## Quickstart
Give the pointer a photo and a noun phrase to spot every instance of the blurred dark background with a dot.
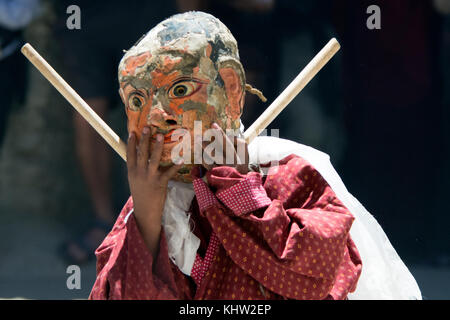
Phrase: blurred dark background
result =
(380, 109)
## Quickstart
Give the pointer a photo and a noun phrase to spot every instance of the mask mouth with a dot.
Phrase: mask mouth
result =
(170, 135)
(167, 137)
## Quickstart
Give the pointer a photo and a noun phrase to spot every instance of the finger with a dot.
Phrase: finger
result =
(131, 151)
(213, 149)
(210, 155)
(155, 157)
(171, 172)
(243, 156)
(226, 148)
(143, 149)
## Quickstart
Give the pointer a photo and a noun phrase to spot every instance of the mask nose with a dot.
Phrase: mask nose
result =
(160, 118)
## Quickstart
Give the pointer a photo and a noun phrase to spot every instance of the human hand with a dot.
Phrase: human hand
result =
(148, 184)
(239, 158)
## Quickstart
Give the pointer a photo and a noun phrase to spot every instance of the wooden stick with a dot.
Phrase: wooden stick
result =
(75, 100)
(292, 90)
(119, 146)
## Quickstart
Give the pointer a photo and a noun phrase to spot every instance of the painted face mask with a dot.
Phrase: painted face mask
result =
(186, 69)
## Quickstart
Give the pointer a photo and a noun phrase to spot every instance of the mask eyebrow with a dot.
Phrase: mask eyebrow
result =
(136, 90)
(191, 78)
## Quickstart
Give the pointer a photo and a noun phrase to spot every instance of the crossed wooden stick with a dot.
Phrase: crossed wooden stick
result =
(294, 88)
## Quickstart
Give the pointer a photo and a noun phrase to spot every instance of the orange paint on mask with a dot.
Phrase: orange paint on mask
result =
(169, 64)
(208, 50)
(234, 93)
(160, 80)
(137, 120)
(132, 63)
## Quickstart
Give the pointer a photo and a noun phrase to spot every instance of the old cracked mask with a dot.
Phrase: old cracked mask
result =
(185, 69)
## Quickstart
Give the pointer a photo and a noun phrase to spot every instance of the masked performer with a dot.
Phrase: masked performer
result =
(232, 233)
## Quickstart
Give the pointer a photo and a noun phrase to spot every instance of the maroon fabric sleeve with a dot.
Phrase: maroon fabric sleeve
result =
(125, 267)
(293, 226)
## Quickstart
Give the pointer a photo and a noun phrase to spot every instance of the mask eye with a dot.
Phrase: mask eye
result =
(183, 89)
(135, 102)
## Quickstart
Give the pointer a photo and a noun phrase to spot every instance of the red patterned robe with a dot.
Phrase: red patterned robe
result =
(284, 236)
